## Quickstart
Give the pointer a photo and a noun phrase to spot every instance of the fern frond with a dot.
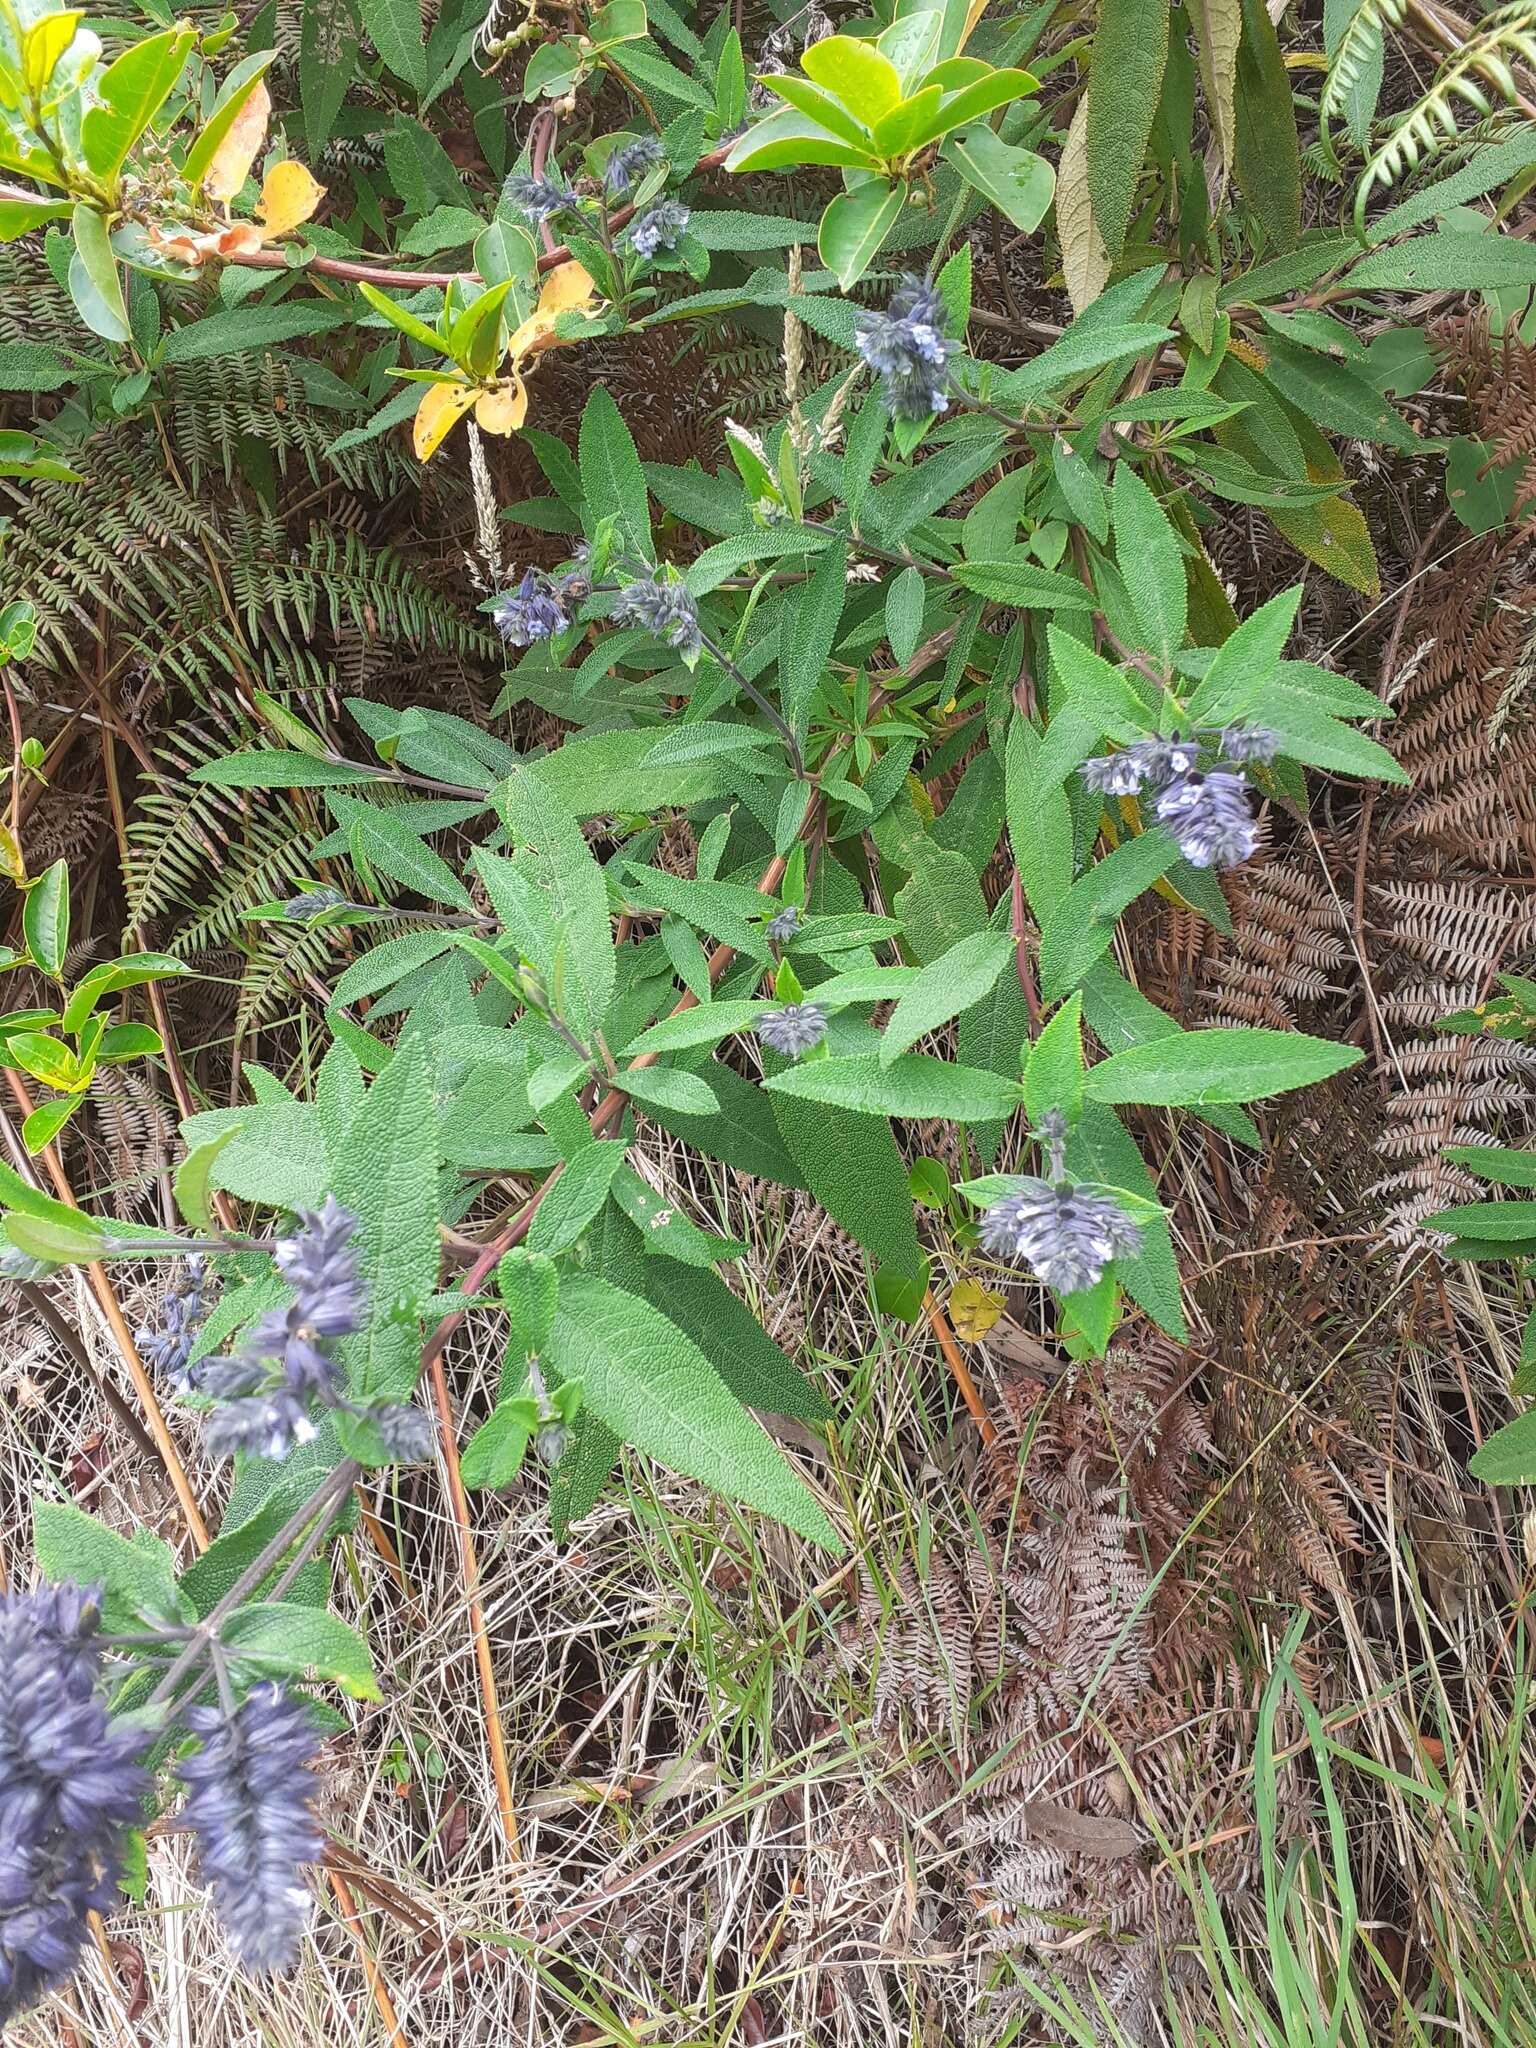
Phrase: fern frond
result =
(1361, 41)
(1431, 124)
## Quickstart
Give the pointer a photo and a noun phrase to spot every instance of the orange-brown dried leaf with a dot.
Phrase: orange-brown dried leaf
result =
(232, 160)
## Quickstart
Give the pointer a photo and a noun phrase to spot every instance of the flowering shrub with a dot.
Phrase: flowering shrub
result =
(930, 569)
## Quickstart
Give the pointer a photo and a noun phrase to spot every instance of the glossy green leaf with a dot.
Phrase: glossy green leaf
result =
(856, 73)
(854, 228)
(132, 90)
(45, 918)
(233, 93)
(94, 282)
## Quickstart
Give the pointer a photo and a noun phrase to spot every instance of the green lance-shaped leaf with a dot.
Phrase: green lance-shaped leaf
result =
(1130, 49)
(651, 1385)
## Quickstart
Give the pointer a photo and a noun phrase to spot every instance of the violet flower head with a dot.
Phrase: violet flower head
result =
(1247, 743)
(1051, 1137)
(71, 1785)
(265, 1389)
(538, 198)
(792, 1029)
(660, 227)
(575, 581)
(531, 612)
(906, 347)
(784, 924)
(263, 1393)
(407, 1432)
(168, 1343)
(665, 609)
(1065, 1235)
(1209, 817)
(313, 903)
(1163, 761)
(1114, 774)
(248, 1805)
(629, 162)
(260, 1425)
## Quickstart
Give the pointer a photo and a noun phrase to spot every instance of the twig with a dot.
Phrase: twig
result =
(101, 1287)
(376, 1985)
(959, 1370)
(309, 1522)
(38, 1301)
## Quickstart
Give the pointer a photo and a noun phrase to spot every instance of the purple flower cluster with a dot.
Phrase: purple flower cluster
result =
(784, 924)
(312, 904)
(168, 1344)
(249, 1808)
(1065, 1235)
(71, 1786)
(1206, 809)
(264, 1392)
(629, 162)
(538, 198)
(906, 347)
(660, 227)
(665, 609)
(530, 613)
(792, 1029)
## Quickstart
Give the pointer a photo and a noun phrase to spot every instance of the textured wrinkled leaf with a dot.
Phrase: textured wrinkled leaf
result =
(394, 28)
(386, 1174)
(612, 480)
(809, 634)
(1130, 49)
(915, 1085)
(648, 1382)
(138, 1578)
(953, 982)
(1508, 1458)
(279, 1640)
(1085, 261)
(329, 33)
(1152, 563)
(699, 1302)
(1219, 1065)
(576, 896)
(494, 1454)
(1267, 157)
(1218, 26)
(575, 1197)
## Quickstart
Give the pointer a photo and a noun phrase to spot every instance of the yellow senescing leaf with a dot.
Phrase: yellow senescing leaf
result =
(973, 1309)
(441, 405)
(501, 403)
(1085, 261)
(503, 406)
(289, 196)
(567, 289)
(234, 156)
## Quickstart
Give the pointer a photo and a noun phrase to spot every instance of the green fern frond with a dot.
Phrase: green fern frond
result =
(1360, 43)
(1432, 123)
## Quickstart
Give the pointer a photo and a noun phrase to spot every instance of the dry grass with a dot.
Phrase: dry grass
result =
(762, 1797)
